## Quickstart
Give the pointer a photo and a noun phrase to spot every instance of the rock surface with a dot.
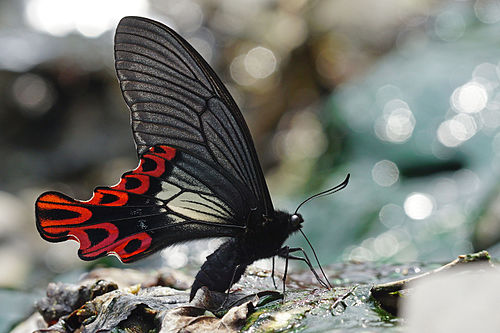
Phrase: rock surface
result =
(127, 300)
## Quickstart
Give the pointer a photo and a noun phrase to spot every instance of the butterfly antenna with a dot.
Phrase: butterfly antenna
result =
(318, 195)
(326, 192)
(316, 257)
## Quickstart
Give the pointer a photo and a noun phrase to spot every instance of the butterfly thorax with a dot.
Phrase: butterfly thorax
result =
(267, 237)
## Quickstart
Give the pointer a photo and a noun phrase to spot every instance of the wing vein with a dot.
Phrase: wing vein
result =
(173, 52)
(208, 198)
(180, 128)
(236, 167)
(158, 61)
(177, 118)
(182, 87)
(159, 94)
(169, 137)
(204, 205)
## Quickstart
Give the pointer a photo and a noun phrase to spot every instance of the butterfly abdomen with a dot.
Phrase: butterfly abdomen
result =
(222, 268)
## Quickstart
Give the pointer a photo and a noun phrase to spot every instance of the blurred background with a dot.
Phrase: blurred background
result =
(404, 95)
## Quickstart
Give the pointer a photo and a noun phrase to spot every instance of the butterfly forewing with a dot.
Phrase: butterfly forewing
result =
(177, 99)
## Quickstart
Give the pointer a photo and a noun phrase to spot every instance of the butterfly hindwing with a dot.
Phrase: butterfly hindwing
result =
(176, 98)
(160, 203)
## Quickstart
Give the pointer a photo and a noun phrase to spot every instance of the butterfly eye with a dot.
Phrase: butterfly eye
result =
(296, 220)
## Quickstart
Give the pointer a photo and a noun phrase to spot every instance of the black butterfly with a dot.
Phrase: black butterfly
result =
(198, 176)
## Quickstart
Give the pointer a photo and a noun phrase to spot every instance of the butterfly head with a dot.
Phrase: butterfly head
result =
(296, 222)
(284, 223)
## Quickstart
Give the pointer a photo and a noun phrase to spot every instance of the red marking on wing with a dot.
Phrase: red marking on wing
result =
(109, 244)
(53, 226)
(86, 247)
(119, 247)
(141, 189)
(60, 217)
(51, 203)
(97, 198)
(169, 153)
(158, 171)
(54, 198)
(158, 155)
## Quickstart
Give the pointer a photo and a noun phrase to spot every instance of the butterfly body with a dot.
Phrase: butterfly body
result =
(225, 266)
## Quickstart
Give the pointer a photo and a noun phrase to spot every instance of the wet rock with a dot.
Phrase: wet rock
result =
(389, 295)
(128, 277)
(138, 305)
(194, 319)
(61, 299)
(153, 308)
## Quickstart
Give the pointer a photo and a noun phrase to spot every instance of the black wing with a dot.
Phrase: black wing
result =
(177, 100)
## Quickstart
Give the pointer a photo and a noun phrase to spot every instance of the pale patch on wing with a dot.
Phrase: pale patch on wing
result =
(200, 207)
(168, 191)
(175, 219)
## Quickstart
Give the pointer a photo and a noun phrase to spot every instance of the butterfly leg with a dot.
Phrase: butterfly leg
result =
(286, 251)
(230, 285)
(272, 275)
(311, 268)
(308, 261)
(286, 254)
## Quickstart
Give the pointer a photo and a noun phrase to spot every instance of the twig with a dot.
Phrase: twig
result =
(341, 299)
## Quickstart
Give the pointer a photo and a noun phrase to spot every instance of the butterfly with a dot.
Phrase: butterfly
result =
(198, 175)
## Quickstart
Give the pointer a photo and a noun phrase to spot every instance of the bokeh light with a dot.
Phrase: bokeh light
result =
(386, 245)
(175, 256)
(287, 32)
(396, 123)
(239, 73)
(385, 173)
(487, 11)
(472, 97)
(468, 181)
(305, 139)
(91, 18)
(391, 215)
(418, 206)
(449, 26)
(260, 62)
(188, 13)
(457, 130)
(33, 94)
(446, 189)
